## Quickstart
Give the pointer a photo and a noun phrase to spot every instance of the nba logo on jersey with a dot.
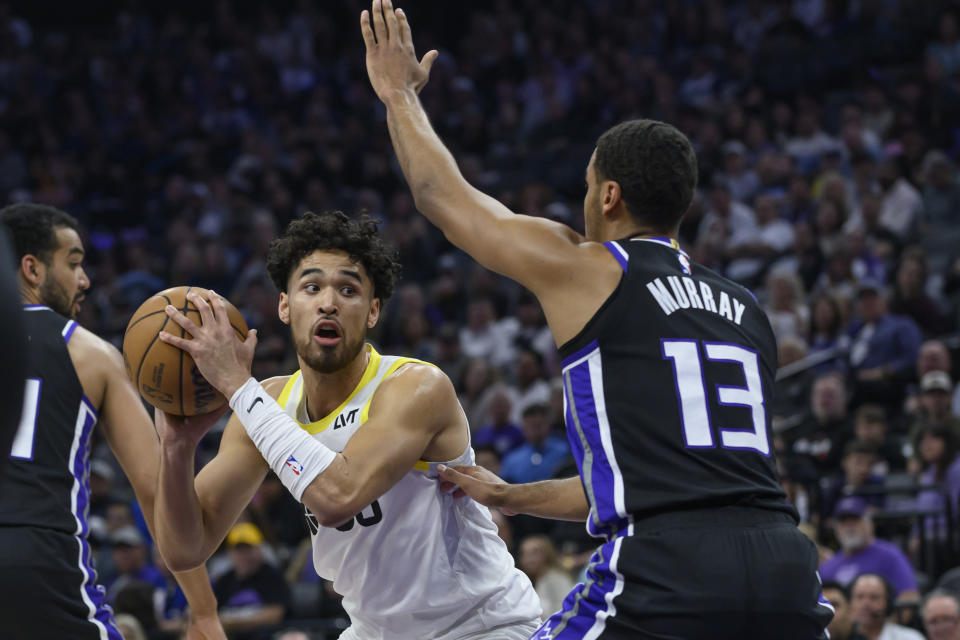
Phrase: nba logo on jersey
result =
(685, 264)
(294, 465)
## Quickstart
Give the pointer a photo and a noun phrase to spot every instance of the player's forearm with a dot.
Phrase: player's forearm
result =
(198, 591)
(179, 515)
(554, 499)
(439, 189)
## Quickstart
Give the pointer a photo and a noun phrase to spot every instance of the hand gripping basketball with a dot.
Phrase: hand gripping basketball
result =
(223, 359)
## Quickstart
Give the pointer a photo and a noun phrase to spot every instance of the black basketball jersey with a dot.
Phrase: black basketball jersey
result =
(46, 479)
(666, 393)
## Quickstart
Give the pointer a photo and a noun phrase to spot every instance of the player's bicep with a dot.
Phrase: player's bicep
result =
(128, 428)
(405, 417)
(227, 483)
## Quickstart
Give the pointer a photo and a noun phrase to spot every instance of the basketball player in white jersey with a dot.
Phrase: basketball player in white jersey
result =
(356, 437)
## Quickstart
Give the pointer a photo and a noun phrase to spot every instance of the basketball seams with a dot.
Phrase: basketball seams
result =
(184, 311)
(146, 335)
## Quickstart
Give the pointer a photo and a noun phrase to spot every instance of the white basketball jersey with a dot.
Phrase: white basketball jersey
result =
(415, 563)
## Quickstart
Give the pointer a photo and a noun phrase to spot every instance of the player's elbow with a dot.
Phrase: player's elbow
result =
(180, 559)
(331, 506)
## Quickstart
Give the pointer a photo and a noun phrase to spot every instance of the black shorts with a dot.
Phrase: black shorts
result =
(49, 587)
(728, 573)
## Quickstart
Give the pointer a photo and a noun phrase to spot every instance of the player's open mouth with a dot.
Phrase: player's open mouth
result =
(327, 333)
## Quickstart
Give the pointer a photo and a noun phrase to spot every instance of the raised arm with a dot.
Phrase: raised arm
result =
(550, 259)
(132, 439)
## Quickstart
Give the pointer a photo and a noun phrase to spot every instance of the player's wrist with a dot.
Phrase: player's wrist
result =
(398, 96)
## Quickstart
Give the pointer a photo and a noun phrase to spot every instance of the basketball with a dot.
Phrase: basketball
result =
(166, 376)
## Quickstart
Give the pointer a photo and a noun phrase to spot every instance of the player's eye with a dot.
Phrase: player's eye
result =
(311, 288)
(348, 290)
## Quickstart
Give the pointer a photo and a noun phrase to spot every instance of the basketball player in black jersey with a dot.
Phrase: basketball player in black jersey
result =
(13, 345)
(668, 370)
(74, 381)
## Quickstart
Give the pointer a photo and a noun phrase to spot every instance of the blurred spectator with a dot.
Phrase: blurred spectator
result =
(484, 336)
(736, 175)
(946, 48)
(934, 402)
(726, 218)
(842, 626)
(529, 386)
(542, 453)
(129, 627)
(754, 249)
(789, 316)
(538, 559)
(131, 562)
(936, 447)
(861, 552)
(138, 599)
(826, 328)
(500, 432)
(871, 602)
(820, 437)
(252, 594)
(934, 356)
(883, 347)
(910, 297)
(870, 426)
(940, 611)
(902, 205)
(941, 191)
(855, 478)
(475, 381)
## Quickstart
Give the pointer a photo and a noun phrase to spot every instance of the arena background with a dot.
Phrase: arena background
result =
(184, 135)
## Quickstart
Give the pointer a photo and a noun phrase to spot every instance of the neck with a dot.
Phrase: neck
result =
(29, 295)
(324, 392)
(620, 231)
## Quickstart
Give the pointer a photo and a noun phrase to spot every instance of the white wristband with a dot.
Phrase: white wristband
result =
(295, 456)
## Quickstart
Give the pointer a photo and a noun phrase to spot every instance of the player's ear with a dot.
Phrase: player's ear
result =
(283, 308)
(610, 196)
(374, 313)
(32, 270)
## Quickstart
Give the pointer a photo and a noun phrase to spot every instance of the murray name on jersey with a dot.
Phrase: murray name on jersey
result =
(687, 293)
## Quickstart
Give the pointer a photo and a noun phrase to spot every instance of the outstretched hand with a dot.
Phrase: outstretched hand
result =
(479, 483)
(223, 359)
(391, 60)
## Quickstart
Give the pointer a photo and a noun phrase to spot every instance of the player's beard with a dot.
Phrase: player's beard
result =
(328, 359)
(53, 295)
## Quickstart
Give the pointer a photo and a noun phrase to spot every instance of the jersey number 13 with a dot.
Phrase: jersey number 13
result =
(692, 393)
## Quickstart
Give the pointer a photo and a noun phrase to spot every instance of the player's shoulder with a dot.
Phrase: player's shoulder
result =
(416, 380)
(274, 386)
(90, 349)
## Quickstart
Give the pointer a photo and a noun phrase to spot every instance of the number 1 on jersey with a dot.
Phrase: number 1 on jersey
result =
(22, 448)
(692, 393)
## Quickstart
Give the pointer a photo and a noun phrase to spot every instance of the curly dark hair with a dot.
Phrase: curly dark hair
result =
(33, 229)
(655, 166)
(333, 230)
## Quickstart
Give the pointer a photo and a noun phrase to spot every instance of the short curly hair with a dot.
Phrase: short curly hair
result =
(655, 166)
(334, 230)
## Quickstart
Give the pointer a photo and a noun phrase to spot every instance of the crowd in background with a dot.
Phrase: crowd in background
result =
(184, 138)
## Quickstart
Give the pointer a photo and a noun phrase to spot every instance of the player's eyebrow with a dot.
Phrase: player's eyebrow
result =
(351, 274)
(76, 251)
(344, 272)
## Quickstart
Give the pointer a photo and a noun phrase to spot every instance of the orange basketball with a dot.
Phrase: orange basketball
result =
(166, 376)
